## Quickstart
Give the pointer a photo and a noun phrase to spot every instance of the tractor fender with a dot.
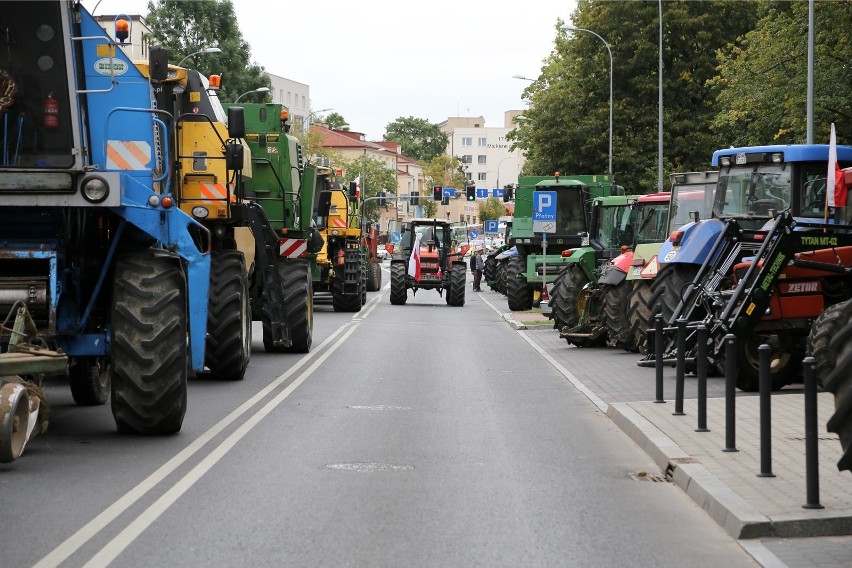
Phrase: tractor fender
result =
(623, 261)
(695, 244)
(612, 275)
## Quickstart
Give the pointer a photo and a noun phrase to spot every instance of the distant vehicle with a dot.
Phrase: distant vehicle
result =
(382, 252)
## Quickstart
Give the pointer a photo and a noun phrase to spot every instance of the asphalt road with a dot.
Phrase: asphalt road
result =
(416, 435)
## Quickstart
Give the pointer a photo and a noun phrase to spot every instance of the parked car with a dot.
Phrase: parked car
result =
(382, 252)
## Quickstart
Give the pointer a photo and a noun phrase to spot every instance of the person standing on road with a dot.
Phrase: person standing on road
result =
(477, 273)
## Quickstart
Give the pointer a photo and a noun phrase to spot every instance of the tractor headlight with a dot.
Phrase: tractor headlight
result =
(200, 212)
(95, 189)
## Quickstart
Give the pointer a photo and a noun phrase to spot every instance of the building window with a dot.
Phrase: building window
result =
(281, 96)
(483, 142)
(482, 176)
(467, 159)
(468, 175)
(474, 219)
(304, 105)
(461, 218)
(467, 141)
(480, 160)
(289, 98)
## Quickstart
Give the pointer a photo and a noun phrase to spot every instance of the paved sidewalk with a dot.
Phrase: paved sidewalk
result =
(725, 484)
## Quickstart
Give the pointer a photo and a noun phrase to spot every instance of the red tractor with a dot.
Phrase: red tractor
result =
(426, 258)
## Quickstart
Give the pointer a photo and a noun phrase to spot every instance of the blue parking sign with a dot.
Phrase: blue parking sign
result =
(544, 211)
(491, 226)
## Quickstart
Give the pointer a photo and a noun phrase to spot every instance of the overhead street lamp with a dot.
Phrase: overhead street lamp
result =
(522, 78)
(498, 168)
(313, 112)
(204, 51)
(258, 90)
(576, 29)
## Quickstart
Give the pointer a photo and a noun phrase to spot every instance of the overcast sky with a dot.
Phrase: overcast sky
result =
(373, 61)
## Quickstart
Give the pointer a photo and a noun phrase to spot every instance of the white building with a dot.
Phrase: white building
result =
(295, 96)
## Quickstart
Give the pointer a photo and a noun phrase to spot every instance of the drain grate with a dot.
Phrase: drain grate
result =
(645, 476)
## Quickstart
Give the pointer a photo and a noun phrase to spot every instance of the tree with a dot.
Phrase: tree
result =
(417, 138)
(566, 127)
(186, 26)
(761, 83)
(445, 171)
(375, 177)
(335, 121)
(491, 208)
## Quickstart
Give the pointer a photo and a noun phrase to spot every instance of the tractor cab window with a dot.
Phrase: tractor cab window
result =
(570, 211)
(811, 189)
(616, 227)
(35, 107)
(688, 199)
(753, 192)
(430, 234)
(651, 221)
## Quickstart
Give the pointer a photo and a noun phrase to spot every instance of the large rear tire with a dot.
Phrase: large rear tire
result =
(456, 293)
(748, 364)
(615, 317)
(668, 287)
(501, 276)
(564, 299)
(398, 290)
(298, 304)
(340, 301)
(489, 273)
(89, 378)
(839, 383)
(149, 347)
(641, 310)
(374, 277)
(518, 291)
(228, 347)
(820, 347)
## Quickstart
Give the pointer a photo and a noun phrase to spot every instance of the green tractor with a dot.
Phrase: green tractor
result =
(284, 186)
(525, 271)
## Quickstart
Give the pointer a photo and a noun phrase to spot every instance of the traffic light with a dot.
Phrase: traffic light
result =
(508, 191)
(382, 201)
(415, 198)
(438, 193)
(471, 193)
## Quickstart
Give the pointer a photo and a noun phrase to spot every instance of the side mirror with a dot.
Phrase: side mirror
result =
(158, 63)
(234, 156)
(324, 205)
(236, 122)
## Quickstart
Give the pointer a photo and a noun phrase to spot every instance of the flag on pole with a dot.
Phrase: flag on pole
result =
(357, 182)
(414, 259)
(835, 184)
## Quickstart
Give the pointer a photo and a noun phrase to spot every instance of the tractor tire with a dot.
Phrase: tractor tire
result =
(228, 347)
(820, 347)
(298, 304)
(489, 273)
(748, 365)
(566, 295)
(398, 290)
(667, 288)
(89, 378)
(839, 383)
(641, 310)
(615, 317)
(363, 283)
(501, 276)
(149, 355)
(456, 292)
(374, 277)
(518, 292)
(342, 302)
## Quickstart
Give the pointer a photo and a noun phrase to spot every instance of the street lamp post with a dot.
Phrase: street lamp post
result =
(498, 168)
(576, 29)
(523, 78)
(204, 51)
(258, 90)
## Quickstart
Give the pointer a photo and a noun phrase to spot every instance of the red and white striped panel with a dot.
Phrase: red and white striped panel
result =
(292, 248)
(338, 222)
(128, 155)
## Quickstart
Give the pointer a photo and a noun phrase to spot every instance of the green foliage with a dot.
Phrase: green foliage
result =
(491, 208)
(417, 138)
(430, 207)
(335, 120)
(566, 127)
(762, 83)
(186, 26)
(375, 177)
(445, 171)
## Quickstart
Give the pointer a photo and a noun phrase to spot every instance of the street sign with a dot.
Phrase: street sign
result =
(473, 234)
(449, 192)
(481, 193)
(497, 192)
(491, 226)
(544, 211)
(396, 237)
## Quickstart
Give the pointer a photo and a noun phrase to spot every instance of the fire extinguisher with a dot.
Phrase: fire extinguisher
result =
(51, 113)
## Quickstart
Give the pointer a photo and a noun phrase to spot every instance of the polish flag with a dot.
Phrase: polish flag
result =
(357, 181)
(414, 259)
(835, 185)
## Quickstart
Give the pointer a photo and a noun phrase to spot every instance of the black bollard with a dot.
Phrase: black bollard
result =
(730, 393)
(658, 355)
(811, 451)
(765, 352)
(701, 372)
(680, 366)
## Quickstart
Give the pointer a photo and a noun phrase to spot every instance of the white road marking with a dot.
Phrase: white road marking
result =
(108, 515)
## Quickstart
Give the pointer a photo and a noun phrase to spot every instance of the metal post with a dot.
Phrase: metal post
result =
(543, 262)
(765, 352)
(811, 451)
(680, 366)
(730, 393)
(701, 371)
(658, 355)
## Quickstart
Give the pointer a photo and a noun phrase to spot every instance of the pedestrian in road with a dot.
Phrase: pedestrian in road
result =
(477, 273)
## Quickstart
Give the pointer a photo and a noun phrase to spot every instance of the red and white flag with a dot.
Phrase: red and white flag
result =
(835, 185)
(414, 259)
